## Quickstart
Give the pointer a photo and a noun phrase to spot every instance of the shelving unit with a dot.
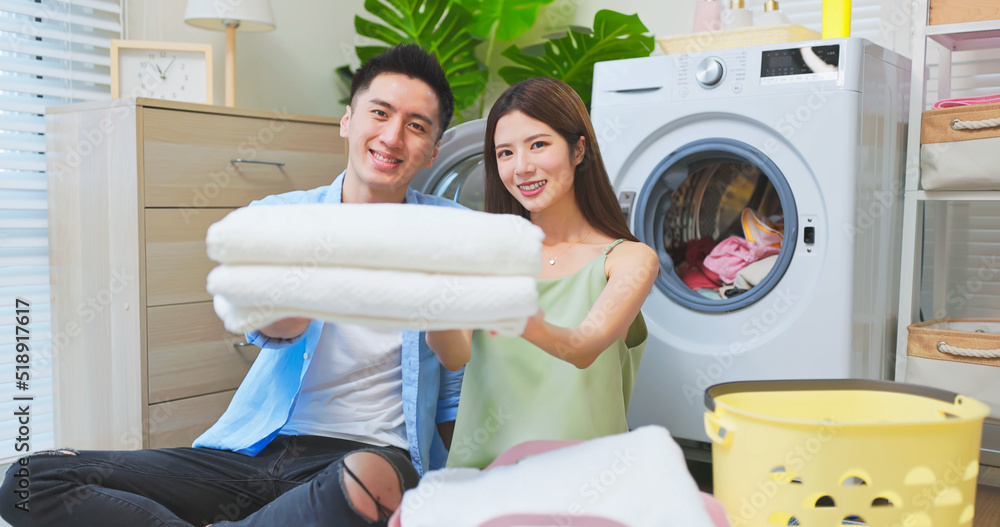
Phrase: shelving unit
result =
(951, 38)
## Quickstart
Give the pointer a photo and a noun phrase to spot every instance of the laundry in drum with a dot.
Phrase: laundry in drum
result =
(725, 217)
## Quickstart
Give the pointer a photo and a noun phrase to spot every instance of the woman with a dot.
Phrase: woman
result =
(570, 374)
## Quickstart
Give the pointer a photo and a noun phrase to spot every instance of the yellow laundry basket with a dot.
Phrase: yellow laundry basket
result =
(824, 453)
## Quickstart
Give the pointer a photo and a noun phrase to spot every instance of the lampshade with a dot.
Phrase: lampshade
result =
(252, 15)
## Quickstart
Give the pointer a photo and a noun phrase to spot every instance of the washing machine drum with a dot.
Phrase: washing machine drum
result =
(722, 218)
(464, 182)
(458, 173)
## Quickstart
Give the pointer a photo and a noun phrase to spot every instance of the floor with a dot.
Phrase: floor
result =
(987, 494)
(988, 498)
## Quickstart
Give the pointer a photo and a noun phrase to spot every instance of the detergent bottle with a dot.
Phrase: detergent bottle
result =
(772, 16)
(707, 15)
(737, 16)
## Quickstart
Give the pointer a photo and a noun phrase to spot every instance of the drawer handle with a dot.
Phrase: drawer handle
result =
(240, 160)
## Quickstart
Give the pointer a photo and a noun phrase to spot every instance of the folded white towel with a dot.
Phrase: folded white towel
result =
(638, 478)
(252, 296)
(379, 236)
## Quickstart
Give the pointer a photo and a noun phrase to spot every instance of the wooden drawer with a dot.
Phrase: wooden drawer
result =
(190, 353)
(176, 261)
(178, 423)
(186, 157)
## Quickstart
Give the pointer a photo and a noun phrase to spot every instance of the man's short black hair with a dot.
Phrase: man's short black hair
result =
(414, 62)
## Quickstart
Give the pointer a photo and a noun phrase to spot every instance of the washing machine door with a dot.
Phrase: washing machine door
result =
(457, 173)
(722, 218)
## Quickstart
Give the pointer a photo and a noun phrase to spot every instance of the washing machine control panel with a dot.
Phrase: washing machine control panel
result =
(742, 72)
(806, 63)
(720, 71)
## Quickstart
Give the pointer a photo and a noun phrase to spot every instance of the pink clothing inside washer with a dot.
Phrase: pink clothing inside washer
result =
(735, 253)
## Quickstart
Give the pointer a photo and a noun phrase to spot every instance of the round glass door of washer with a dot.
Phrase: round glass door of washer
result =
(722, 218)
(464, 182)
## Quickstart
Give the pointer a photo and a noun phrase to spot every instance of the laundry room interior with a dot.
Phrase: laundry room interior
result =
(818, 179)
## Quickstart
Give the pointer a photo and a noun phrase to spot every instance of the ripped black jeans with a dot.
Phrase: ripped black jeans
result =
(295, 480)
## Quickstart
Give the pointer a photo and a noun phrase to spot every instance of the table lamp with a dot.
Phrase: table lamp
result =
(246, 15)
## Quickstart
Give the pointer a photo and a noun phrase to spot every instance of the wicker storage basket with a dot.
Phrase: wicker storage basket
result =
(954, 354)
(958, 148)
(735, 38)
(958, 11)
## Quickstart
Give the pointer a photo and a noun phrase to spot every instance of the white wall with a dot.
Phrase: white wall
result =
(292, 68)
(663, 17)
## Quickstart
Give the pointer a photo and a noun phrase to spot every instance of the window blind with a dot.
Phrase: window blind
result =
(52, 52)
(961, 260)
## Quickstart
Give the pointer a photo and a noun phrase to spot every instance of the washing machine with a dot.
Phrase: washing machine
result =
(798, 147)
(457, 173)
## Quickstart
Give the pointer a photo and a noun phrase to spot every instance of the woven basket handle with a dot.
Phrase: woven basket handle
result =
(959, 124)
(944, 347)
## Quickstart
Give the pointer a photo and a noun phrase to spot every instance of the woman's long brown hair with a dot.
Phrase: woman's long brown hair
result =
(557, 105)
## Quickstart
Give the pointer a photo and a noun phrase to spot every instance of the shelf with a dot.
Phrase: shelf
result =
(966, 36)
(914, 286)
(955, 195)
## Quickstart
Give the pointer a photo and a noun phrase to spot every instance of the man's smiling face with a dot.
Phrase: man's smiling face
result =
(392, 132)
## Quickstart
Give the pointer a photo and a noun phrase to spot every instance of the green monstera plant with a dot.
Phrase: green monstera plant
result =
(453, 30)
(518, 16)
(571, 58)
(440, 28)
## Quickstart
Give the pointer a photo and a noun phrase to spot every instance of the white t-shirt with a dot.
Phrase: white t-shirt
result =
(353, 388)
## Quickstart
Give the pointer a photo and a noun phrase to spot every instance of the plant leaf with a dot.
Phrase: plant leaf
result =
(511, 17)
(571, 58)
(439, 26)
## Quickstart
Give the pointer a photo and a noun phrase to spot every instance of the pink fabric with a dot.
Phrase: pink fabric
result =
(735, 253)
(696, 279)
(697, 250)
(967, 101)
(695, 255)
(715, 509)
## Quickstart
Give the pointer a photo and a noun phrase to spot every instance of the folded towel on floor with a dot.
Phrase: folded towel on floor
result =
(252, 296)
(638, 478)
(379, 236)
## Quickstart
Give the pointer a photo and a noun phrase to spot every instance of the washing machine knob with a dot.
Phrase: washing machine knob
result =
(710, 72)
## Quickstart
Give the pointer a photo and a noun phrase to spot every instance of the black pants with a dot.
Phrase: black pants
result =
(295, 480)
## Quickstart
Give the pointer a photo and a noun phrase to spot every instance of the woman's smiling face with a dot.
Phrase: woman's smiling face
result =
(534, 161)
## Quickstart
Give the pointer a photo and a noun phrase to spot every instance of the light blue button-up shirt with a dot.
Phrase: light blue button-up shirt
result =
(265, 399)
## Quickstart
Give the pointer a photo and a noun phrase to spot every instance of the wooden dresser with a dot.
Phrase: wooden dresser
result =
(141, 360)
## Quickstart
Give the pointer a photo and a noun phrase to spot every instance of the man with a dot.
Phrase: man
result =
(333, 422)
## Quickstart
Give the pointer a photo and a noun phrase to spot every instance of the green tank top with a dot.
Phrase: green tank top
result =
(514, 391)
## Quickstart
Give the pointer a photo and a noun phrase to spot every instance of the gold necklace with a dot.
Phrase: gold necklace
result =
(552, 261)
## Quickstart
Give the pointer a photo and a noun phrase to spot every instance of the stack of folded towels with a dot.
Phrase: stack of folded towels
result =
(385, 265)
